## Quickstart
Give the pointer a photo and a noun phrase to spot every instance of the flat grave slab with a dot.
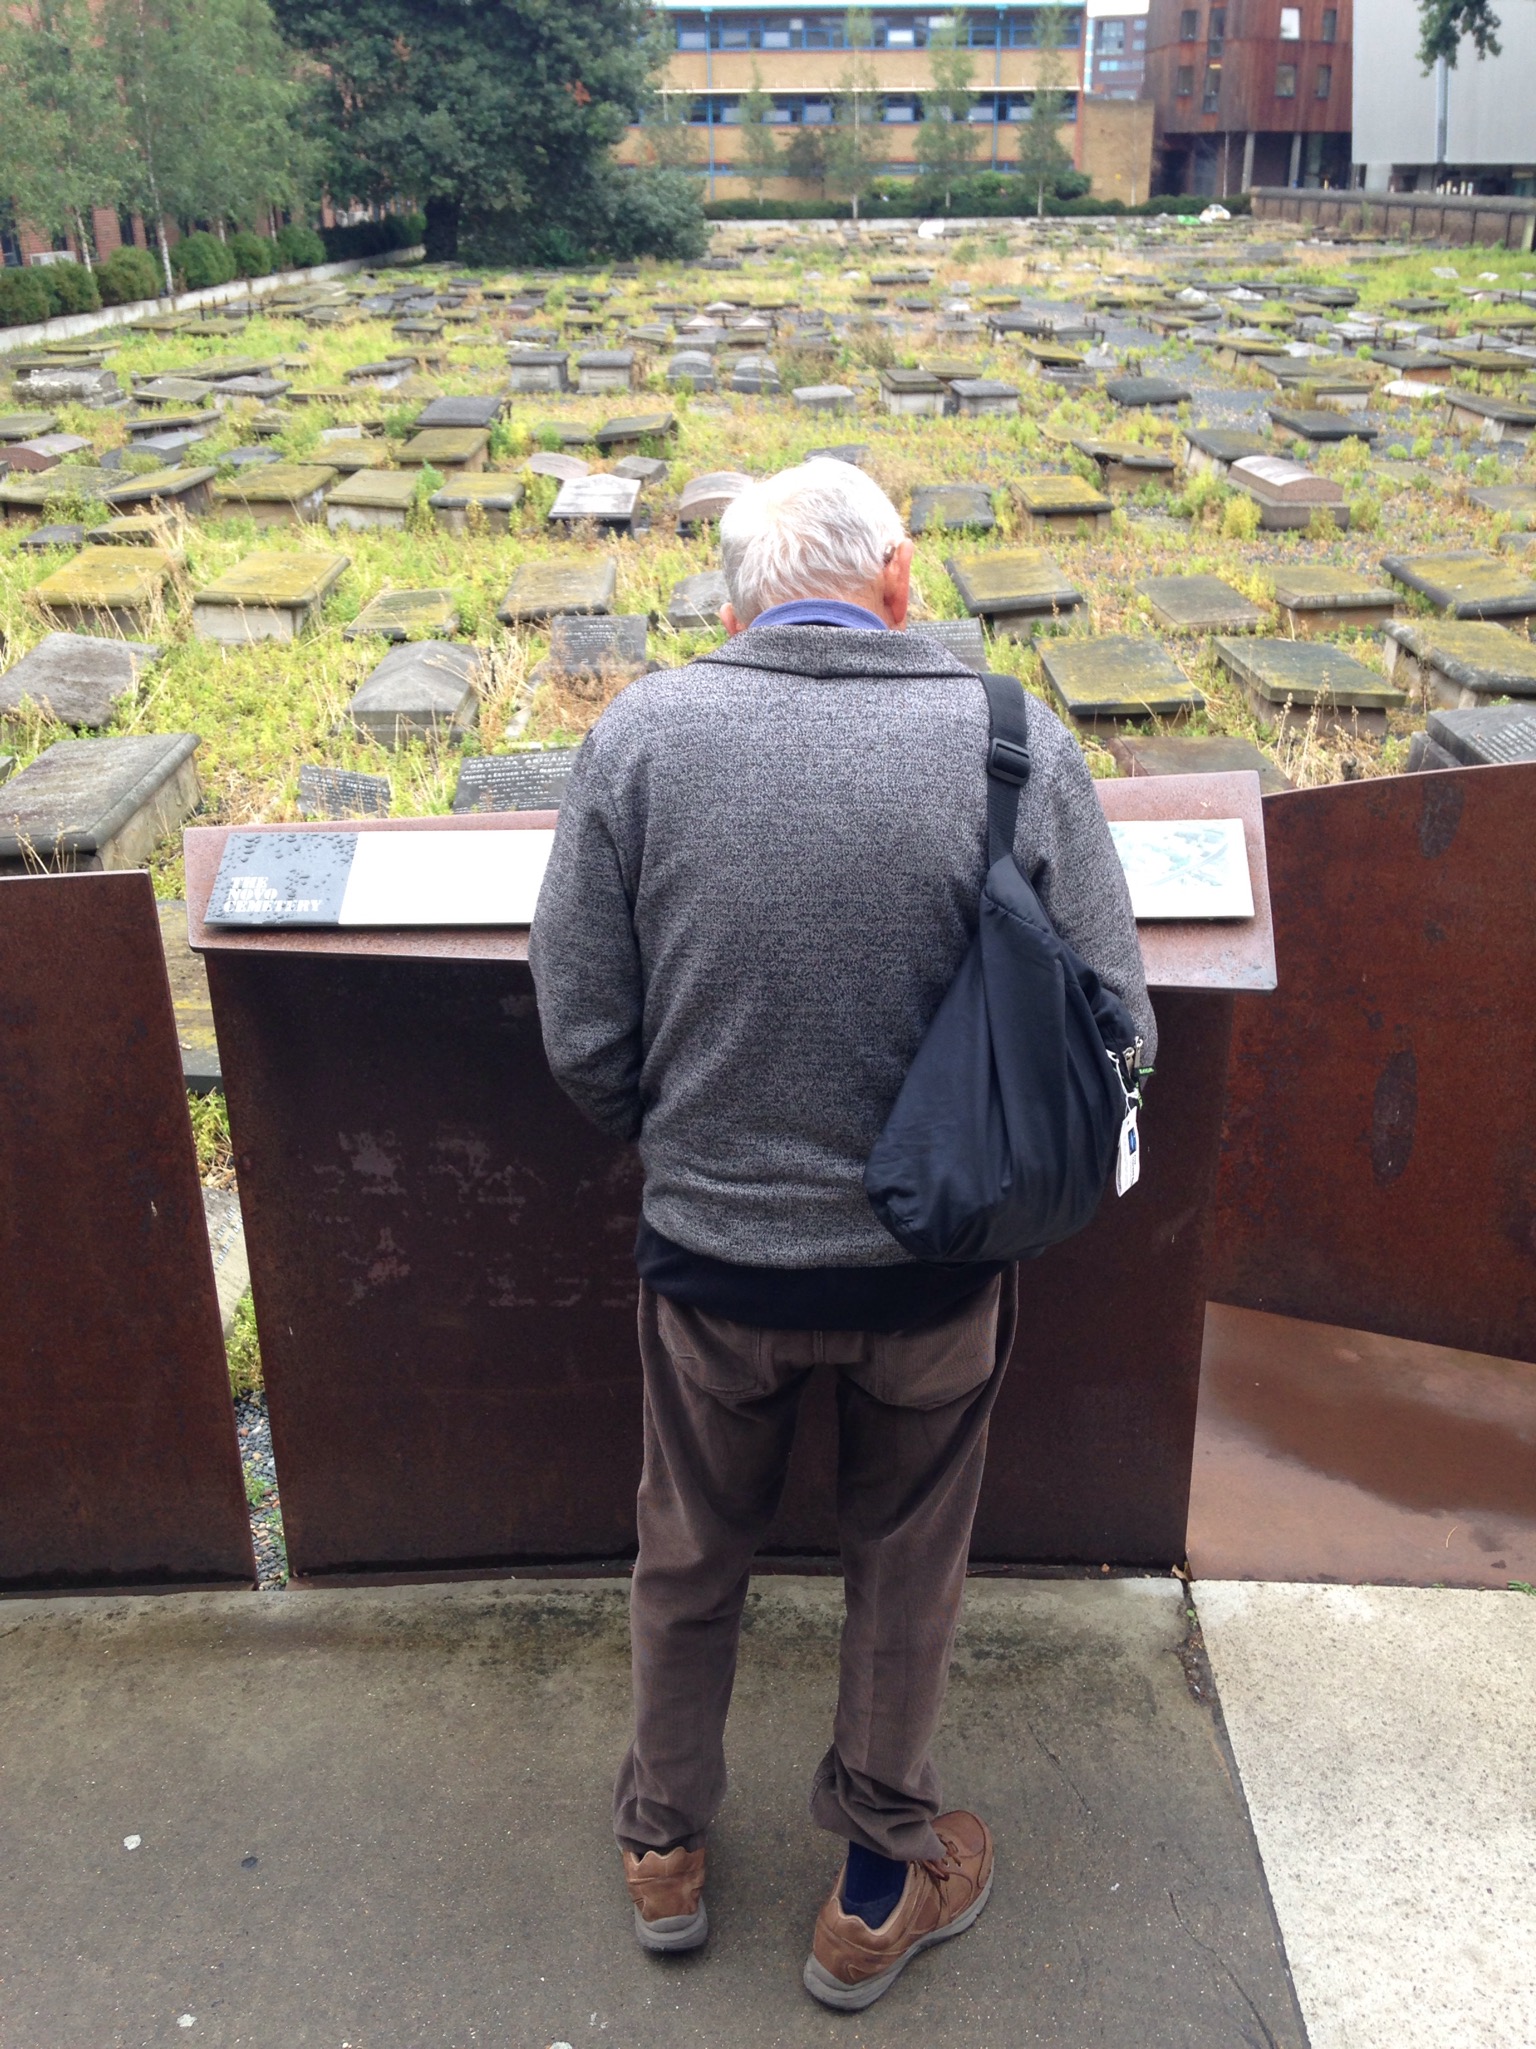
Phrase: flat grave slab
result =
(184, 491)
(271, 595)
(1459, 663)
(1477, 739)
(173, 391)
(1134, 392)
(1215, 449)
(538, 370)
(532, 780)
(1123, 465)
(78, 678)
(824, 398)
(1466, 584)
(452, 451)
(633, 428)
(472, 410)
(1506, 501)
(358, 452)
(1116, 677)
(939, 508)
(983, 397)
(342, 793)
(605, 370)
(1321, 425)
(276, 494)
(645, 469)
(541, 590)
(43, 539)
(1288, 683)
(696, 600)
(43, 452)
(963, 638)
(547, 462)
(1315, 597)
(26, 426)
(704, 498)
(913, 393)
(1189, 754)
(406, 615)
(106, 587)
(492, 496)
(1287, 493)
(424, 689)
(1490, 419)
(89, 804)
(24, 496)
(1062, 502)
(1200, 604)
(372, 498)
(1024, 583)
(605, 500)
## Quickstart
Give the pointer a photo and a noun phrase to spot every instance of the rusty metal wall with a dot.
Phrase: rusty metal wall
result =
(118, 1458)
(1379, 1167)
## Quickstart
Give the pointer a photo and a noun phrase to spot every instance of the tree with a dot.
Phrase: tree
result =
(945, 141)
(1042, 157)
(807, 154)
(501, 108)
(760, 156)
(668, 137)
(853, 152)
(1443, 23)
(63, 145)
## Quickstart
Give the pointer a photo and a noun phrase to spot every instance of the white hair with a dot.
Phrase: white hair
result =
(821, 530)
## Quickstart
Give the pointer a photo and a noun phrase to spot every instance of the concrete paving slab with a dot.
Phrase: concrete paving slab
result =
(380, 1818)
(1384, 1737)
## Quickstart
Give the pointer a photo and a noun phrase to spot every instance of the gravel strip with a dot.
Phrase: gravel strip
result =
(255, 1432)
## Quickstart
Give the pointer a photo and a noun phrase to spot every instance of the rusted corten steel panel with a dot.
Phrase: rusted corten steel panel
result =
(119, 1463)
(1380, 1156)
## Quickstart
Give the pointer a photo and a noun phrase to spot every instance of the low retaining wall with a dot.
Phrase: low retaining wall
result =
(1503, 223)
(65, 325)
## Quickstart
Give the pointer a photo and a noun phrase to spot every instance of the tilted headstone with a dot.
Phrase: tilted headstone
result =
(426, 688)
(76, 678)
(534, 780)
(645, 469)
(540, 590)
(604, 499)
(341, 793)
(696, 600)
(962, 637)
(1475, 739)
(551, 463)
(43, 539)
(704, 498)
(635, 427)
(1215, 449)
(406, 615)
(590, 646)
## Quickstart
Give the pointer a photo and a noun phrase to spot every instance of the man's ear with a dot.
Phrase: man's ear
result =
(730, 622)
(896, 585)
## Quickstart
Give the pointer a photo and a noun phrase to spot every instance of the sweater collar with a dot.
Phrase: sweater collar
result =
(818, 652)
(820, 612)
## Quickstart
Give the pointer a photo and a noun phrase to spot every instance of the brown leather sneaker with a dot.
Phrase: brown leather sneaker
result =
(668, 1892)
(852, 1964)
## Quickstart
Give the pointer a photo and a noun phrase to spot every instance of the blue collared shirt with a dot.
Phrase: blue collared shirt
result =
(821, 612)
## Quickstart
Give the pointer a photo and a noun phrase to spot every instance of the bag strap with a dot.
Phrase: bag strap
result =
(1007, 762)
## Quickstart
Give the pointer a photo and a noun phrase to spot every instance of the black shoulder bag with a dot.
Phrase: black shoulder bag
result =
(1024, 1088)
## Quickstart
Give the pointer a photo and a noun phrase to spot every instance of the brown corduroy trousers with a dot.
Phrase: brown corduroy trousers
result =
(720, 1406)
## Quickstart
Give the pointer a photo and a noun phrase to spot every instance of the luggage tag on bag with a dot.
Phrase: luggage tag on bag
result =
(1128, 1152)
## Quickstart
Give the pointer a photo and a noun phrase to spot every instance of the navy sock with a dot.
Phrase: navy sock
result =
(872, 1885)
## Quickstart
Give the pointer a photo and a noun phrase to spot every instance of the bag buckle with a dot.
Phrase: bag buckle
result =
(1008, 761)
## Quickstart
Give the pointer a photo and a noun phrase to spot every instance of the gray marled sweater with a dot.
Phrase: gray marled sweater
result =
(767, 872)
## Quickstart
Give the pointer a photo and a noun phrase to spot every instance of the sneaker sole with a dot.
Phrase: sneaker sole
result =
(673, 1933)
(821, 1984)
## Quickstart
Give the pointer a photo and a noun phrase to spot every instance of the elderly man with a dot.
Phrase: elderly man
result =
(766, 875)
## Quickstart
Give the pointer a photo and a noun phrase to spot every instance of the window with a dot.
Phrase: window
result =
(1330, 28)
(1189, 24)
(1285, 81)
(1216, 33)
(692, 35)
(1210, 98)
(1324, 80)
(1290, 24)
(816, 113)
(1111, 38)
(1184, 85)
(899, 111)
(735, 35)
(982, 110)
(779, 38)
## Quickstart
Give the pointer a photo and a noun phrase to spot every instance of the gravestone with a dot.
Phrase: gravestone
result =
(116, 588)
(539, 370)
(705, 498)
(534, 780)
(26, 426)
(426, 688)
(270, 595)
(692, 367)
(824, 398)
(372, 498)
(76, 678)
(1317, 598)
(851, 452)
(634, 428)
(1467, 585)
(1459, 663)
(25, 497)
(89, 804)
(914, 393)
(1134, 392)
(1287, 494)
(645, 469)
(387, 375)
(696, 601)
(606, 501)
(963, 638)
(597, 645)
(1475, 739)
(277, 494)
(452, 451)
(754, 375)
(265, 390)
(1506, 501)
(188, 977)
(406, 615)
(541, 590)
(1063, 502)
(1200, 604)
(342, 793)
(172, 391)
(474, 410)
(496, 498)
(186, 492)
(1124, 465)
(939, 508)
(1320, 426)
(1215, 449)
(1115, 677)
(605, 370)
(550, 463)
(354, 454)
(1010, 584)
(1291, 683)
(1188, 754)
(1490, 419)
(43, 539)
(981, 397)
(44, 451)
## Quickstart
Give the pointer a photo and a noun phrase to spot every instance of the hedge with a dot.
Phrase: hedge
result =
(372, 238)
(23, 297)
(129, 275)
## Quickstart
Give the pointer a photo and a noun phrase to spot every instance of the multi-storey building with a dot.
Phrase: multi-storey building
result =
(799, 57)
(1251, 92)
(1115, 50)
(1463, 128)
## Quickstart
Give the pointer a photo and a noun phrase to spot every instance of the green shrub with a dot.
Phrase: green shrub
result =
(23, 298)
(70, 288)
(129, 274)
(656, 213)
(298, 248)
(201, 260)
(254, 254)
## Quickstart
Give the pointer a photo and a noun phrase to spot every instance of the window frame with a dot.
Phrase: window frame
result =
(1284, 91)
(1184, 82)
(1189, 25)
(1329, 29)
(1323, 88)
(1290, 24)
